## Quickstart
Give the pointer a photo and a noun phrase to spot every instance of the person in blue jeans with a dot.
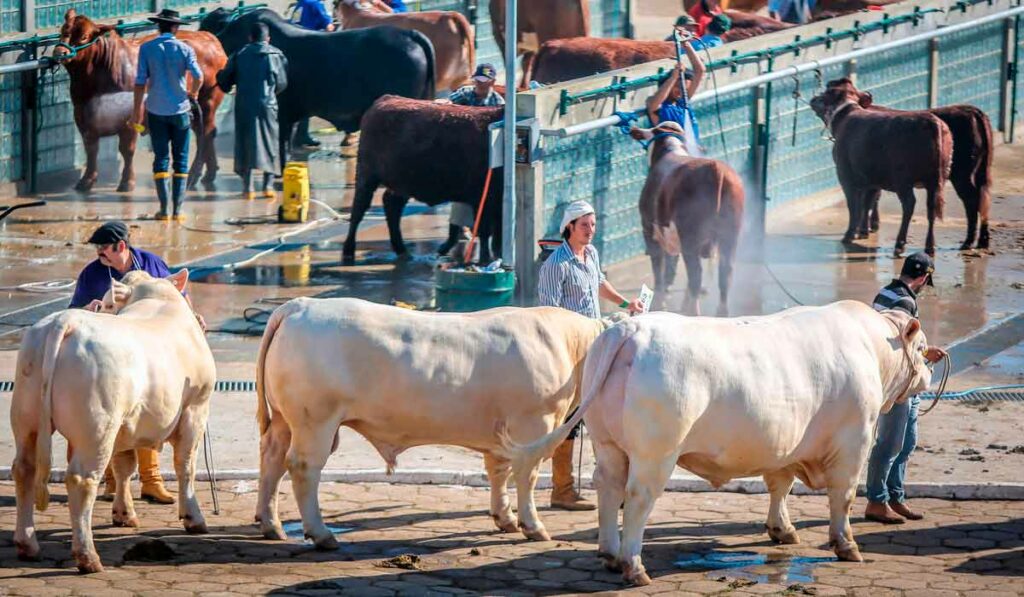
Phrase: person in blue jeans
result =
(163, 65)
(897, 430)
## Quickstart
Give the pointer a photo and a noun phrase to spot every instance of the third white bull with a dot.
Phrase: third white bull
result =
(795, 394)
(405, 378)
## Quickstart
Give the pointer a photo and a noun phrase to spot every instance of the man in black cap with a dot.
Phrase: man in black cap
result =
(163, 63)
(897, 429)
(115, 257)
(481, 92)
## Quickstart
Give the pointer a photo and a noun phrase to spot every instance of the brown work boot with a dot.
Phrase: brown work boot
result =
(880, 512)
(904, 510)
(564, 495)
(153, 489)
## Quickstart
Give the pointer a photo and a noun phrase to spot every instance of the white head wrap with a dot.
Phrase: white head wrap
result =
(576, 209)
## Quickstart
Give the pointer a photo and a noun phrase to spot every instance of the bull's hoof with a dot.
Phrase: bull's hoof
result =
(272, 531)
(897, 252)
(637, 578)
(874, 226)
(210, 186)
(930, 251)
(28, 551)
(84, 186)
(88, 563)
(126, 186)
(348, 258)
(966, 245)
(863, 235)
(849, 553)
(537, 534)
(784, 536)
(326, 543)
(505, 526)
(611, 562)
(847, 239)
(195, 528)
(445, 247)
(123, 520)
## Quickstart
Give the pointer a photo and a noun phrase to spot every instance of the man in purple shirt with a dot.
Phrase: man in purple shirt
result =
(115, 258)
(163, 64)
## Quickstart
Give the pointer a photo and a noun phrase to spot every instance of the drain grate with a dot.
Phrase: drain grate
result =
(222, 386)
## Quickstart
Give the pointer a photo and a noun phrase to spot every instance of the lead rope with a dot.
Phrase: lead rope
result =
(947, 365)
(211, 473)
(579, 464)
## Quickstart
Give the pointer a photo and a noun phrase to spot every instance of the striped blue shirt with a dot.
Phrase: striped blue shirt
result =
(569, 283)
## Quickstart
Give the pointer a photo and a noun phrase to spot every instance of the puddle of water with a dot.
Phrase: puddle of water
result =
(758, 567)
(293, 529)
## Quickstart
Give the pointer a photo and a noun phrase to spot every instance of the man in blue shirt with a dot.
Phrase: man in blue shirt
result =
(712, 38)
(163, 64)
(115, 258)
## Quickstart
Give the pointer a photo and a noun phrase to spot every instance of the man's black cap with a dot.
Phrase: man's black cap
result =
(917, 265)
(109, 233)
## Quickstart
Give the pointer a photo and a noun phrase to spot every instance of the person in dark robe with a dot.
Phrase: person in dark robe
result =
(259, 70)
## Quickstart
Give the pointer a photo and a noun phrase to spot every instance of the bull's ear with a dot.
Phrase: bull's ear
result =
(866, 99)
(118, 295)
(179, 279)
(911, 331)
(70, 15)
(639, 134)
(105, 28)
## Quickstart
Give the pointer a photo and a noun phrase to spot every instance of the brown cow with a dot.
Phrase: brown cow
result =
(688, 205)
(576, 57)
(449, 31)
(433, 152)
(891, 151)
(103, 71)
(970, 172)
(540, 21)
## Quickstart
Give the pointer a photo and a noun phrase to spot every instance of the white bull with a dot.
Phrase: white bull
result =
(404, 378)
(135, 376)
(795, 394)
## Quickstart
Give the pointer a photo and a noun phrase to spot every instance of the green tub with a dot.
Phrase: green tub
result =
(462, 291)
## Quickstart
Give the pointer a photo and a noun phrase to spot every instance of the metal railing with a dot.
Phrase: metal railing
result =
(768, 77)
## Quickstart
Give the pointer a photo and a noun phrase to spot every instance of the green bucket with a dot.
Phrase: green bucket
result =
(462, 291)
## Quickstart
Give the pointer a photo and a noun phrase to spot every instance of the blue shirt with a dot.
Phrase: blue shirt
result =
(397, 5)
(163, 63)
(314, 15)
(708, 40)
(94, 281)
(571, 284)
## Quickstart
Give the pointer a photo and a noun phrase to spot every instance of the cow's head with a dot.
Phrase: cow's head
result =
(138, 285)
(912, 375)
(864, 98)
(833, 100)
(232, 27)
(666, 136)
(78, 30)
(217, 20)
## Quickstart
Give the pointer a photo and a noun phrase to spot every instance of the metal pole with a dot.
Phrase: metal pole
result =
(933, 73)
(508, 215)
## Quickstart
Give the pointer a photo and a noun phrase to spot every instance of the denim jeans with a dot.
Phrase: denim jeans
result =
(895, 442)
(169, 131)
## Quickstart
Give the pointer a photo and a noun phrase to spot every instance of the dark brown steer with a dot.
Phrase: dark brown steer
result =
(449, 31)
(433, 152)
(890, 151)
(103, 71)
(970, 172)
(688, 205)
(539, 21)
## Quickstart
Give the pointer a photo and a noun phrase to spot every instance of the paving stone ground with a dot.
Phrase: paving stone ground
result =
(961, 548)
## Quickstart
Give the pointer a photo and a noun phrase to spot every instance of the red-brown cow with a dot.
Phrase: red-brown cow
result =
(970, 172)
(103, 71)
(883, 150)
(576, 57)
(688, 205)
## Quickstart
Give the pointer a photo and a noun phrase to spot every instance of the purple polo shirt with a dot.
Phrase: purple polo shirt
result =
(94, 281)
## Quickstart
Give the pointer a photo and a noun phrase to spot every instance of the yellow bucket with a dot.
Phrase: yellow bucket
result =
(295, 202)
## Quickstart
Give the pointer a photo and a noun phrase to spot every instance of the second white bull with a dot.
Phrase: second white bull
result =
(405, 378)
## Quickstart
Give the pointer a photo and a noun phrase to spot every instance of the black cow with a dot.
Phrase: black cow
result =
(336, 76)
(433, 152)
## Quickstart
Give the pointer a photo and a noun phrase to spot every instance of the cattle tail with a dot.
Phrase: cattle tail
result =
(51, 350)
(262, 404)
(525, 457)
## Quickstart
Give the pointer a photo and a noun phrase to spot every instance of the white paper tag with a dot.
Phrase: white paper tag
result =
(646, 297)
